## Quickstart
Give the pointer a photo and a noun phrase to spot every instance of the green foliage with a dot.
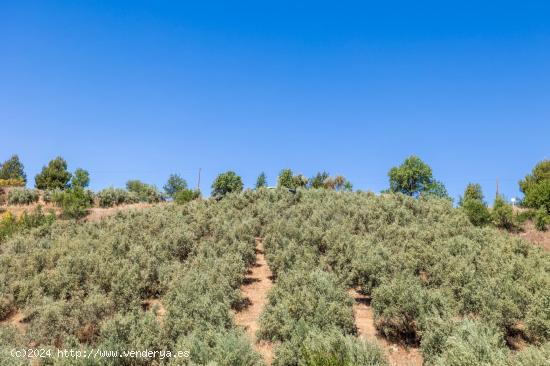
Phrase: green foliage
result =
(174, 185)
(477, 212)
(532, 356)
(542, 219)
(472, 192)
(318, 180)
(22, 196)
(536, 187)
(314, 297)
(186, 195)
(411, 178)
(144, 192)
(473, 205)
(312, 347)
(10, 224)
(12, 169)
(53, 176)
(110, 197)
(81, 178)
(74, 202)
(502, 214)
(261, 181)
(285, 179)
(227, 182)
(464, 343)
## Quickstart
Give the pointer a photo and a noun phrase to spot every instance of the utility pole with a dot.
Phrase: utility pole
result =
(199, 180)
(497, 189)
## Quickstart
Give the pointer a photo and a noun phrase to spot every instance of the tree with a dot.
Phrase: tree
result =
(299, 181)
(261, 181)
(285, 179)
(318, 180)
(174, 184)
(414, 177)
(473, 205)
(81, 178)
(472, 192)
(536, 187)
(53, 176)
(13, 169)
(144, 192)
(226, 183)
(74, 202)
(503, 214)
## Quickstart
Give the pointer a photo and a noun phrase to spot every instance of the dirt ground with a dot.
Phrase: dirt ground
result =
(398, 355)
(540, 238)
(255, 288)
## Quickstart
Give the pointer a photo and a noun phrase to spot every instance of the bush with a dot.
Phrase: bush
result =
(53, 176)
(477, 212)
(311, 347)
(532, 356)
(22, 196)
(502, 214)
(144, 192)
(51, 195)
(285, 179)
(186, 195)
(226, 183)
(74, 202)
(542, 219)
(81, 178)
(313, 297)
(464, 343)
(110, 197)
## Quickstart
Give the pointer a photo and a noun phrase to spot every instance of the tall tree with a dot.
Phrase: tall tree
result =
(318, 180)
(81, 178)
(53, 176)
(285, 179)
(226, 183)
(261, 181)
(414, 178)
(536, 187)
(13, 169)
(174, 184)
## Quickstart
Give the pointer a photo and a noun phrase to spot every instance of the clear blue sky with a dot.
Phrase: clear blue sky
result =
(135, 89)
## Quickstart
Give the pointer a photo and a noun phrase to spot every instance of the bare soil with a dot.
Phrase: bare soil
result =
(255, 288)
(16, 319)
(398, 355)
(540, 238)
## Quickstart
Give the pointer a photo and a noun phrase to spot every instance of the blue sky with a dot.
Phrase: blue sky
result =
(135, 89)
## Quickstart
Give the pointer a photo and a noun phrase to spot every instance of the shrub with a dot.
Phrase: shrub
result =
(74, 202)
(13, 170)
(314, 297)
(311, 347)
(226, 183)
(464, 343)
(51, 195)
(53, 176)
(541, 219)
(318, 180)
(144, 192)
(477, 212)
(186, 195)
(472, 192)
(532, 356)
(174, 185)
(110, 197)
(502, 214)
(22, 196)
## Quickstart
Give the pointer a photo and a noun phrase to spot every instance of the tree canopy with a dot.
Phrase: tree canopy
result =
(53, 176)
(13, 169)
(414, 177)
(226, 183)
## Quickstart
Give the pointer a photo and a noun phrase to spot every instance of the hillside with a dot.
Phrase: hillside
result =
(178, 278)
